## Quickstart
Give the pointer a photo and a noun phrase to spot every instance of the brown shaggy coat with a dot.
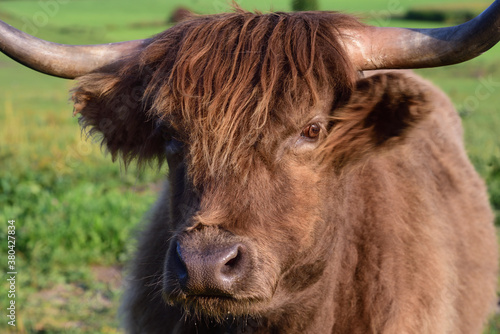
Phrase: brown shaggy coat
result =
(378, 225)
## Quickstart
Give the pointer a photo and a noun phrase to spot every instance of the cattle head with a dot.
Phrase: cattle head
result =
(239, 108)
(258, 117)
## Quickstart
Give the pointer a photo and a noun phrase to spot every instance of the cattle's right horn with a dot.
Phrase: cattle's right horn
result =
(60, 60)
(389, 48)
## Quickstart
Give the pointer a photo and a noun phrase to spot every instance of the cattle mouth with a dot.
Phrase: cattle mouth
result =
(216, 307)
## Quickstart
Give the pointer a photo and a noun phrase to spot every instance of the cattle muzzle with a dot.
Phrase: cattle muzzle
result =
(201, 265)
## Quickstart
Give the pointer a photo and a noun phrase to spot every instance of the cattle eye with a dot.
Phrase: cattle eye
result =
(311, 131)
(173, 147)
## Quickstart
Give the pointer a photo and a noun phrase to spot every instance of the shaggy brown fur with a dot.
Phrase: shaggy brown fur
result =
(378, 225)
(205, 75)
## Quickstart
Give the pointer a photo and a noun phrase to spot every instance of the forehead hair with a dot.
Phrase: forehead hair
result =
(221, 81)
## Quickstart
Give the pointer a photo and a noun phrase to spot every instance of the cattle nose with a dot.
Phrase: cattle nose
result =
(213, 270)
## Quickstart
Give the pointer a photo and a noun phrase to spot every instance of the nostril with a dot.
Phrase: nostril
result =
(179, 266)
(232, 262)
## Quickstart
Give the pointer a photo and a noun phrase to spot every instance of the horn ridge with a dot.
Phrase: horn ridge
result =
(61, 60)
(373, 48)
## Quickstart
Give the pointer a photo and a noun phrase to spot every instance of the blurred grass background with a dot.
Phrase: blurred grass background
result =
(76, 212)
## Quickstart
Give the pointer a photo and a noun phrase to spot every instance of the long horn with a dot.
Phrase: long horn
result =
(391, 48)
(64, 61)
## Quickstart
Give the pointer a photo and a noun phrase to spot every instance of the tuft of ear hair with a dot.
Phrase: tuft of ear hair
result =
(382, 110)
(113, 109)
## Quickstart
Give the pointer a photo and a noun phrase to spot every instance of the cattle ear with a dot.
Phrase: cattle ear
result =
(381, 112)
(111, 107)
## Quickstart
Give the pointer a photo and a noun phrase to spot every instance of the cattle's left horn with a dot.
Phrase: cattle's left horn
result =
(388, 48)
(65, 61)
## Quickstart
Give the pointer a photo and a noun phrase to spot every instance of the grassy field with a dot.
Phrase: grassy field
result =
(76, 212)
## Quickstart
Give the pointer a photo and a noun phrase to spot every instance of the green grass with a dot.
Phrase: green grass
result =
(77, 212)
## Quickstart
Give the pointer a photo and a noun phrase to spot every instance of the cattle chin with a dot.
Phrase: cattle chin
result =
(215, 274)
(217, 308)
